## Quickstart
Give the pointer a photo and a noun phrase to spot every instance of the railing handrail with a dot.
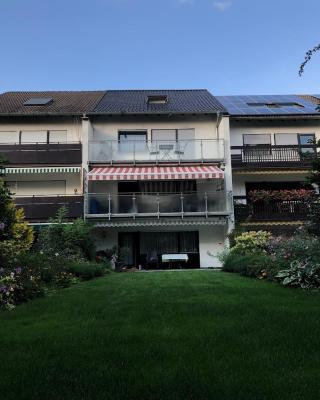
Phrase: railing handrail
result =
(273, 146)
(39, 143)
(156, 193)
(45, 195)
(155, 141)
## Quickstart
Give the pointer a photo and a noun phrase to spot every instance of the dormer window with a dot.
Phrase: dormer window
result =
(157, 99)
(38, 101)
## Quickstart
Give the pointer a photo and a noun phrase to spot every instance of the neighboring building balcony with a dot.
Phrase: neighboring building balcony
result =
(41, 153)
(273, 156)
(273, 210)
(41, 208)
(133, 151)
(138, 205)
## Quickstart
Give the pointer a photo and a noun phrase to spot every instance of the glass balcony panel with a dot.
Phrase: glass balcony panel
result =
(194, 202)
(170, 203)
(146, 204)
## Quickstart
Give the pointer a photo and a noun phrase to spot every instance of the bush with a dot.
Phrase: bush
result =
(72, 241)
(18, 285)
(304, 275)
(254, 265)
(87, 270)
(251, 242)
(300, 247)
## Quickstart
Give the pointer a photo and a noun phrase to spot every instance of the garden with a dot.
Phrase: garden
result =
(63, 254)
(292, 261)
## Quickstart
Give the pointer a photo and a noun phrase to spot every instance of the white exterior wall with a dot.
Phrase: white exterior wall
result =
(108, 130)
(241, 128)
(212, 240)
(9, 131)
(68, 184)
(238, 129)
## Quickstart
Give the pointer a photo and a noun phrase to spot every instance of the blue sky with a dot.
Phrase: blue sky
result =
(227, 46)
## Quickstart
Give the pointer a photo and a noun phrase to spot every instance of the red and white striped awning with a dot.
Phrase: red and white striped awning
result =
(155, 173)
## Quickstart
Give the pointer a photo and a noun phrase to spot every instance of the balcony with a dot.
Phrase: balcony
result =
(273, 156)
(275, 210)
(41, 208)
(108, 205)
(114, 151)
(42, 153)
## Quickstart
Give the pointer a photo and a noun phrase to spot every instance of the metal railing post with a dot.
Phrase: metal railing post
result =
(134, 152)
(206, 203)
(158, 205)
(109, 205)
(134, 205)
(182, 207)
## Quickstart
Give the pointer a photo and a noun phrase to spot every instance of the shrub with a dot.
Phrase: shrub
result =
(252, 242)
(71, 241)
(18, 285)
(254, 265)
(300, 247)
(304, 275)
(87, 270)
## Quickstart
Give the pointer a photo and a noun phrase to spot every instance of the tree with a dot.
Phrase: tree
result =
(309, 54)
(313, 177)
(16, 236)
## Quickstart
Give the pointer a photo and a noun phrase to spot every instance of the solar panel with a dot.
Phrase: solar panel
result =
(267, 105)
(38, 101)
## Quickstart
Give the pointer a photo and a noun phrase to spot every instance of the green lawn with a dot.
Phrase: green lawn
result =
(167, 335)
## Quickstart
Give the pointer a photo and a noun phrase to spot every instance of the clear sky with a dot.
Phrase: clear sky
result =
(227, 46)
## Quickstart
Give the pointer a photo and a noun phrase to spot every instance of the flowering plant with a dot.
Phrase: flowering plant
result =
(268, 195)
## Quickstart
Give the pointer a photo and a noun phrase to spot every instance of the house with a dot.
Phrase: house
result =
(162, 174)
(41, 143)
(158, 176)
(272, 149)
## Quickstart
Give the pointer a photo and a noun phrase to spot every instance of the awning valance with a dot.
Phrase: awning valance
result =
(155, 173)
(42, 170)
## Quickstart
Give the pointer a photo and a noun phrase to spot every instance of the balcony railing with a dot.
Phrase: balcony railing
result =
(41, 208)
(273, 210)
(108, 205)
(42, 153)
(132, 151)
(273, 156)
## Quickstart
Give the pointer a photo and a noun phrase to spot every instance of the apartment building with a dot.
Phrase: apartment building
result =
(41, 143)
(158, 176)
(272, 149)
(156, 171)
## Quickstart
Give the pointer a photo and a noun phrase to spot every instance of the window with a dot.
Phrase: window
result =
(257, 140)
(132, 141)
(306, 140)
(285, 139)
(157, 99)
(7, 137)
(38, 101)
(172, 134)
(57, 136)
(34, 137)
(34, 188)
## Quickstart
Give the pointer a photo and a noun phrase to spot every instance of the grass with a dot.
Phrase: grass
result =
(171, 335)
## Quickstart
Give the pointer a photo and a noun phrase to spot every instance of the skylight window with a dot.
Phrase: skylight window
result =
(275, 105)
(157, 99)
(38, 101)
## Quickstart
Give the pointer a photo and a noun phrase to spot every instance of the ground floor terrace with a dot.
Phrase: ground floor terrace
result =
(165, 245)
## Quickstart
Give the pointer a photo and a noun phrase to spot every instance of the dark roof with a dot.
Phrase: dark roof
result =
(197, 101)
(264, 105)
(63, 102)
